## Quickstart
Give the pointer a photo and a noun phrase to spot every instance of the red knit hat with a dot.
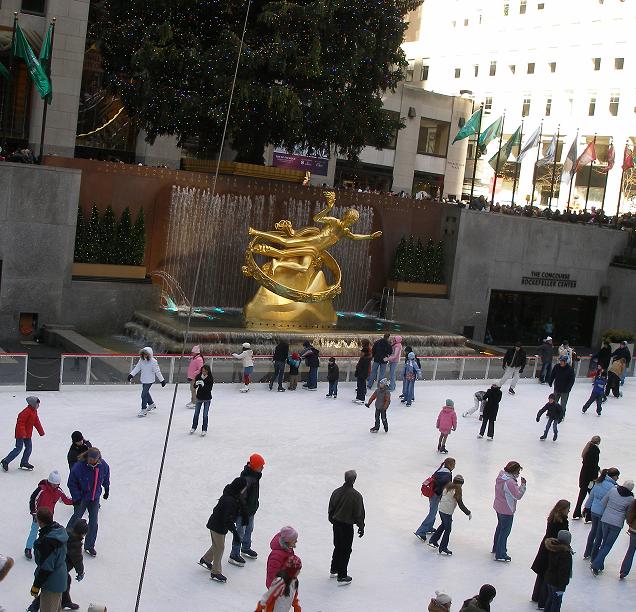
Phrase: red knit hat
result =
(256, 461)
(293, 565)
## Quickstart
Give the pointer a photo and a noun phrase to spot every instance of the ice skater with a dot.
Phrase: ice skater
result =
(203, 384)
(623, 352)
(440, 603)
(281, 354)
(194, 367)
(282, 548)
(481, 601)
(26, 421)
(78, 447)
(605, 482)
(282, 595)
(562, 378)
(478, 405)
(411, 373)
(246, 357)
(311, 355)
(559, 572)
(407, 351)
(630, 519)
(361, 374)
(588, 474)
(150, 371)
(394, 358)
(446, 422)
(513, 364)
(491, 409)
(382, 398)
(507, 493)
(555, 416)
(614, 376)
(294, 364)
(598, 392)
(381, 351)
(451, 498)
(546, 352)
(333, 374)
(442, 476)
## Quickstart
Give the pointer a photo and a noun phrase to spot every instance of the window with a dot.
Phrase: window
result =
(506, 9)
(552, 67)
(522, 7)
(525, 109)
(530, 67)
(592, 107)
(548, 107)
(424, 72)
(512, 68)
(493, 68)
(34, 6)
(410, 71)
(597, 63)
(540, 6)
(488, 105)
(458, 72)
(476, 70)
(433, 139)
(613, 105)
(619, 62)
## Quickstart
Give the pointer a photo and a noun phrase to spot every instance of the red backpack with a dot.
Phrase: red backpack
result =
(428, 487)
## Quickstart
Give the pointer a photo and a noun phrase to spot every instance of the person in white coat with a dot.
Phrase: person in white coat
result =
(149, 369)
(247, 359)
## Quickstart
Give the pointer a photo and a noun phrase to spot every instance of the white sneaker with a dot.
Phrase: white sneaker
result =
(192, 431)
(245, 389)
(479, 436)
(142, 413)
(490, 439)
(190, 405)
(203, 434)
(151, 407)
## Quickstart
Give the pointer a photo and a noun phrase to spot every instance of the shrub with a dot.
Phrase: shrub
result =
(617, 335)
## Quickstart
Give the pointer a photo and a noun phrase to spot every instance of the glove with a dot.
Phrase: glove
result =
(360, 531)
(199, 383)
(130, 377)
(79, 577)
(163, 383)
(35, 591)
(106, 492)
(470, 516)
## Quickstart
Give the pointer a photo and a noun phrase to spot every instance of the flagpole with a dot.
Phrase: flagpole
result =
(573, 175)
(589, 178)
(620, 188)
(554, 165)
(7, 96)
(534, 174)
(494, 181)
(517, 167)
(47, 70)
(606, 177)
(472, 186)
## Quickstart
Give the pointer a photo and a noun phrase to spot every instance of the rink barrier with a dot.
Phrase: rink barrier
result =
(13, 369)
(113, 368)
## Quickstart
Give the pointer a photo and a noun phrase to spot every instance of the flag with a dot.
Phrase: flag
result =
(22, 49)
(505, 152)
(628, 158)
(570, 161)
(611, 159)
(45, 51)
(532, 142)
(4, 72)
(587, 157)
(470, 127)
(489, 134)
(550, 154)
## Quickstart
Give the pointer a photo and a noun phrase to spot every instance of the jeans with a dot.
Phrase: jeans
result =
(361, 388)
(197, 409)
(629, 555)
(19, 443)
(312, 379)
(429, 521)
(392, 372)
(546, 369)
(145, 395)
(551, 422)
(510, 372)
(381, 414)
(33, 534)
(409, 390)
(591, 548)
(490, 422)
(610, 533)
(500, 541)
(245, 535)
(594, 398)
(562, 398)
(374, 372)
(553, 602)
(93, 511)
(342, 543)
(444, 530)
(247, 372)
(333, 387)
(279, 372)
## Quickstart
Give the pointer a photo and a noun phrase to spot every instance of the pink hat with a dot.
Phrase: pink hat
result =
(288, 534)
(196, 349)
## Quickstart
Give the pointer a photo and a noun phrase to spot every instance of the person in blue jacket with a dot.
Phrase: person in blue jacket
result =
(605, 481)
(88, 476)
(49, 551)
(598, 392)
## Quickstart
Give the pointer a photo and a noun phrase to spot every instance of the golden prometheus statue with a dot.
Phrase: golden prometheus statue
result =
(294, 290)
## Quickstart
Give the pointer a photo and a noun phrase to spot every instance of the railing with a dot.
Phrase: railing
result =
(112, 369)
(13, 369)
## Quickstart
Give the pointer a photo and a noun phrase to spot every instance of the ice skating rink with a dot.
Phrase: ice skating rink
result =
(308, 442)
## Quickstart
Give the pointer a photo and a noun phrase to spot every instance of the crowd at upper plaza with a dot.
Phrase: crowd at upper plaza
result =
(601, 501)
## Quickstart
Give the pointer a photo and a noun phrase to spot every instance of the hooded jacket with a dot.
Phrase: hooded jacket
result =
(563, 378)
(346, 506)
(559, 569)
(411, 368)
(597, 494)
(598, 385)
(554, 410)
(149, 368)
(507, 492)
(226, 511)
(566, 351)
(46, 496)
(382, 398)
(277, 557)
(333, 372)
(615, 506)
(275, 599)
(397, 350)
(246, 357)
(617, 368)
(49, 551)
(195, 365)
(311, 356)
(253, 479)
(447, 420)
(26, 421)
(85, 481)
(74, 556)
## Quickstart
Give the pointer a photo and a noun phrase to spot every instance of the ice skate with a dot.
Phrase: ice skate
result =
(26, 466)
(70, 606)
(374, 430)
(243, 390)
(433, 544)
(203, 434)
(419, 537)
(91, 552)
(236, 560)
(192, 431)
(344, 581)
(152, 406)
(249, 553)
(142, 413)
(28, 554)
(543, 437)
(445, 551)
(190, 405)
(218, 578)
(206, 564)
(511, 391)
(5, 466)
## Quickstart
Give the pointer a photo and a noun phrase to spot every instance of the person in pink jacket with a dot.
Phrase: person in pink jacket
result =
(446, 422)
(194, 368)
(394, 359)
(507, 492)
(282, 545)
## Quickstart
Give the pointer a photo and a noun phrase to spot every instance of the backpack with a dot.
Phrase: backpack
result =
(428, 487)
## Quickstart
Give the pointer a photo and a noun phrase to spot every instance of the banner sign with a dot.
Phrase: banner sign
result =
(306, 163)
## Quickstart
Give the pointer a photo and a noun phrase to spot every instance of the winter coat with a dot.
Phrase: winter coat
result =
(615, 506)
(277, 557)
(226, 511)
(246, 357)
(397, 350)
(250, 499)
(411, 370)
(563, 378)
(507, 492)
(622, 352)
(194, 367)
(407, 350)
(346, 506)
(598, 385)
(473, 605)
(204, 391)
(440, 479)
(515, 359)
(566, 351)
(491, 403)
(26, 421)
(311, 356)
(546, 351)
(617, 368)
(597, 494)
(540, 563)
(604, 356)
(149, 368)
(381, 350)
(382, 397)
(590, 467)
(554, 410)
(275, 599)
(281, 352)
(46, 496)
(447, 420)
(362, 367)
(559, 569)
(333, 372)
(451, 498)
(434, 606)
(74, 555)
(75, 451)
(294, 364)
(85, 481)
(49, 551)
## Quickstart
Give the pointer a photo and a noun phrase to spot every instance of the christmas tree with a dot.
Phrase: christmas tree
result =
(398, 270)
(138, 241)
(311, 74)
(123, 241)
(80, 254)
(108, 233)
(93, 237)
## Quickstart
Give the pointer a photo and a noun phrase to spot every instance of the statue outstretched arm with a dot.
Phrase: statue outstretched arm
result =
(330, 198)
(349, 234)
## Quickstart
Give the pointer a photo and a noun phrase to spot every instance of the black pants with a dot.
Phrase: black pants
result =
(594, 398)
(613, 385)
(381, 414)
(361, 388)
(583, 491)
(491, 426)
(540, 591)
(342, 543)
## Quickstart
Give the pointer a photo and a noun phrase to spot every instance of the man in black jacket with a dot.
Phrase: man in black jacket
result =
(78, 446)
(622, 351)
(346, 509)
(380, 352)
(281, 353)
(562, 377)
(361, 373)
(513, 364)
(312, 360)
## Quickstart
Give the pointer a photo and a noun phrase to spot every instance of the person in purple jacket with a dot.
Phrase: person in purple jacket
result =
(507, 492)
(88, 477)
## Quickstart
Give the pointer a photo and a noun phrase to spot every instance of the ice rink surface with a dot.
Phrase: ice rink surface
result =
(308, 442)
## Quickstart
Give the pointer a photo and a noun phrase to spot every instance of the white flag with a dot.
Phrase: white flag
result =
(570, 160)
(550, 153)
(532, 142)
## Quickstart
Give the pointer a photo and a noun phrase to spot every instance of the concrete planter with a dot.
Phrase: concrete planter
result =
(109, 271)
(403, 288)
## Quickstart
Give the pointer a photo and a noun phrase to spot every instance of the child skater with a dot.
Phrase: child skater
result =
(479, 404)
(598, 392)
(333, 374)
(247, 359)
(412, 371)
(451, 498)
(446, 422)
(555, 415)
(382, 397)
(282, 595)
(203, 384)
(149, 368)
(294, 364)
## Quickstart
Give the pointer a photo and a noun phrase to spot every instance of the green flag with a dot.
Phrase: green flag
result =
(22, 49)
(45, 51)
(505, 152)
(470, 127)
(4, 72)
(490, 133)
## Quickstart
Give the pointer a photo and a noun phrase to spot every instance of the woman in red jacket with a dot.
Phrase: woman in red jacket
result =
(27, 420)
